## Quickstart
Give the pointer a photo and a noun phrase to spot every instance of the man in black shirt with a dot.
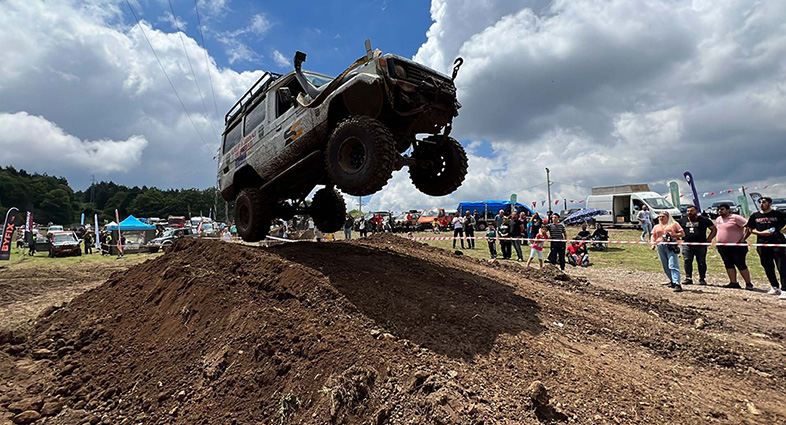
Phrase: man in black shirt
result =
(695, 227)
(516, 227)
(557, 231)
(348, 224)
(766, 225)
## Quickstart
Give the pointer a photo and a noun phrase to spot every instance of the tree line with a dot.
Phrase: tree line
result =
(52, 200)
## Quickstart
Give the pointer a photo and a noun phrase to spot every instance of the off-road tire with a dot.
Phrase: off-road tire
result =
(328, 210)
(448, 171)
(252, 215)
(361, 156)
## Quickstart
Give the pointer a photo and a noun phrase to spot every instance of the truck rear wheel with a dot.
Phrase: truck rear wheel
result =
(447, 171)
(252, 215)
(361, 156)
(328, 210)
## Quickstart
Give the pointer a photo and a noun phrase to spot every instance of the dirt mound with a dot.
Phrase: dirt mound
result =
(382, 330)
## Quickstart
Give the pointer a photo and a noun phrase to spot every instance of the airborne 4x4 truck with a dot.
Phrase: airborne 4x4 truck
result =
(290, 133)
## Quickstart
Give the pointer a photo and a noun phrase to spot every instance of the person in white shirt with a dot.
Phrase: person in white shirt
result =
(458, 231)
(645, 220)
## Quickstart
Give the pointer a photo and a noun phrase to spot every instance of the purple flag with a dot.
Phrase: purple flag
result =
(689, 179)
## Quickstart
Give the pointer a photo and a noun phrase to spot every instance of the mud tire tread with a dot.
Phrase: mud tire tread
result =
(457, 163)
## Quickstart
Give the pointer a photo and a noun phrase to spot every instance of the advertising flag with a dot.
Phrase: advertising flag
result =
(674, 190)
(513, 198)
(689, 179)
(82, 220)
(29, 222)
(745, 210)
(755, 196)
(119, 238)
(98, 243)
(8, 234)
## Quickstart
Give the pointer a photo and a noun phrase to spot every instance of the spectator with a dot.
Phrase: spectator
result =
(516, 229)
(524, 228)
(537, 223)
(491, 238)
(504, 242)
(537, 247)
(668, 231)
(499, 218)
(363, 227)
(767, 225)
(348, 223)
(645, 220)
(557, 232)
(88, 243)
(469, 229)
(695, 228)
(31, 242)
(458, 231)
(584, 234)
(731, 229)
(600, 235)
(577, 254)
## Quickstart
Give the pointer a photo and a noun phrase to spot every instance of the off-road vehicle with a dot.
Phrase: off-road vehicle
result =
(290, 133)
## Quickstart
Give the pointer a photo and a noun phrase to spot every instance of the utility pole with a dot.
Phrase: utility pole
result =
(360, 206)
(548, 188)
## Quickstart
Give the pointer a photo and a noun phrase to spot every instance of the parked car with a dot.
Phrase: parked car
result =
(176, 221)
(712, 211)
(54, 228)
(169, 237)
(208, 230)
(63, 243)
(779, 204)
(405, 222)
(429, 218)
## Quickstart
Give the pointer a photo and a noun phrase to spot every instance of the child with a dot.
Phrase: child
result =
(491, 238)
(537, 246)
(577, 254)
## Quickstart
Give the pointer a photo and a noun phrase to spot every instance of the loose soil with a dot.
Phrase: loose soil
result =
(386, 330)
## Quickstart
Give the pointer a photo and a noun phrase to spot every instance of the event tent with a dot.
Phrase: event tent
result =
(131, 223)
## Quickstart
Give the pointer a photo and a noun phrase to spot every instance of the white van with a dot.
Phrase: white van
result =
(624, 203)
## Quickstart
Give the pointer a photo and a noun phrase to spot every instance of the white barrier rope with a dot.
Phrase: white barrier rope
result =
(449, 238)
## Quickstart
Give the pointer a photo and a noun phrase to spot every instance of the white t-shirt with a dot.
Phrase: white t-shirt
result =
(457, 223)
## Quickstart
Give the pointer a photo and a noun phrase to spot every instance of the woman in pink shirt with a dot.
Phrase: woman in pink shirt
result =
(668, 230)
(731, 229)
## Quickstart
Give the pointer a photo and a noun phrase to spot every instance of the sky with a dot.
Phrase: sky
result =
(600, 92)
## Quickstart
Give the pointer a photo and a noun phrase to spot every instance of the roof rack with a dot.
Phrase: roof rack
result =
(262, 84)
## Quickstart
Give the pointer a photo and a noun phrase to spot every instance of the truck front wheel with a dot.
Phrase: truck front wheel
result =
(252, 215)
(328, 210)
(361, 156)
(449, 167)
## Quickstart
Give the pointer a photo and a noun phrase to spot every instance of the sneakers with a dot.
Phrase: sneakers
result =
(748, 286)
(732, 285)
(688, 282)
(774, 291)
(783, 295)
(702, 282)
(677, 287)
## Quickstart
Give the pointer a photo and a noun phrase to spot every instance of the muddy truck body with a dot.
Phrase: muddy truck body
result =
(290, 133)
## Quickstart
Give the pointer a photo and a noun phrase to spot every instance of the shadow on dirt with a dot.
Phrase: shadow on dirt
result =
(447, 310)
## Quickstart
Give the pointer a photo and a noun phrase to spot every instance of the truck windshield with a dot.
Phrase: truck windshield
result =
(658, 203)
(317, 80)
(64, 237)
(430, 213)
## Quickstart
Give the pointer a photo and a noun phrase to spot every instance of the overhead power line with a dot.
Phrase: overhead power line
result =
(193, 74)
(207, 60)
(167, 75)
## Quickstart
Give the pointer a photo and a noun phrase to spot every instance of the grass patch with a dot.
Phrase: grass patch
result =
(19, 258)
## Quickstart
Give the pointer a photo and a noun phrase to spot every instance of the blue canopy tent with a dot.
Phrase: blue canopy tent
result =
(491, 207)
(131, 223)
(135, 233)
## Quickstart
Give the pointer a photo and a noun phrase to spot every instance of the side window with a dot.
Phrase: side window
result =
(255, 116)
(232, 138)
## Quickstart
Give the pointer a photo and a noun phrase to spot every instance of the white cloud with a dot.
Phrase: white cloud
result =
(611, 92)
(26, 139)
(175, 22)
(280, 59)
(259, 24)
(97, 81)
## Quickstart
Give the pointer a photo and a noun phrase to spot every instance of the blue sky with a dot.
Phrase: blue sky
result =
(332, 32)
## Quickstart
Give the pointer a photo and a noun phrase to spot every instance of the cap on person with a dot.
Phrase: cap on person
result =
(765, 199)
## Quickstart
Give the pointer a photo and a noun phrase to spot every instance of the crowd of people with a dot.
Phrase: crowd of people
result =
(728, 228)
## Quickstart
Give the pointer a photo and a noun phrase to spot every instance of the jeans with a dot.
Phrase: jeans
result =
(493, 249)
(646, 229)
(772, 258)
(517, 247)
(505, 247)
(558, 253)
(700, 253)
(458, 233)
(671, 263)
(348, 233)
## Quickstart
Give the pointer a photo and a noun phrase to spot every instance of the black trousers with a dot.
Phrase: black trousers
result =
(458, 233)
(772, 258)
(470, 232)
(558, 253)
(493, 249)
(689, 252)
(505, 247)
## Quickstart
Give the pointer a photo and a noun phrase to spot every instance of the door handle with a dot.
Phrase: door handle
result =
(278, 128)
